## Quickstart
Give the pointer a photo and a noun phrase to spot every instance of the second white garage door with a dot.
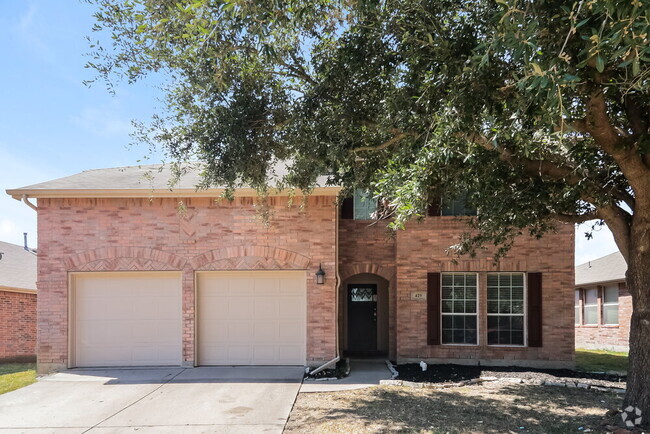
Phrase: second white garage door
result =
(252, 318)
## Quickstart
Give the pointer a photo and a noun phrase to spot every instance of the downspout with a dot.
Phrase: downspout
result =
(28, 203)
(336, 295)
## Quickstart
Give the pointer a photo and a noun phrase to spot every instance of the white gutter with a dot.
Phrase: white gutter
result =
(336, 296)
(28, 203)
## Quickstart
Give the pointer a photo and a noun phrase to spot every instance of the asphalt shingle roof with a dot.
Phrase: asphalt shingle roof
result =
(143, 179)
(17, 267)
(609, 268)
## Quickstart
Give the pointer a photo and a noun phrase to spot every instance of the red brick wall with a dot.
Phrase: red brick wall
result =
(421, 249)
(367, 247)
(125, 234)
(17, 326)
(609, 337)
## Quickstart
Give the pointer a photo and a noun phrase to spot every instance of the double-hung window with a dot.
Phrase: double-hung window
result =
(506, 314)
(364, 205)
(457, 206)
(590, 309)
(459, 308)
(610, 305)
(577, 307)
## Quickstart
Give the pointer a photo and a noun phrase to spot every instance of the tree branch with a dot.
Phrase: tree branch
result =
(543, 168)
(635, 112)
(573, 218)
(384, 145)
(607, 138)
(618, 221)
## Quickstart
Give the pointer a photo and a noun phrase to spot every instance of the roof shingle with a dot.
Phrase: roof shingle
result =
(609, 268)
(17, 267)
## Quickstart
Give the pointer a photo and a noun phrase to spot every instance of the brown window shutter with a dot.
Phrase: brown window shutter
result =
(534, 309)
(347, 208)
(433, 308)
(434, 208)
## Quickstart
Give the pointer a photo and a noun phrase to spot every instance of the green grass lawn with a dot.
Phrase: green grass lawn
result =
(600, 361)
(16, 375)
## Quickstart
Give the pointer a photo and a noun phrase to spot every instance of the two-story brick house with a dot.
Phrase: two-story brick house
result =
(132, 272)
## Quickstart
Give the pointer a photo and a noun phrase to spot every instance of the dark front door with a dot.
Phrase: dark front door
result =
(362, 319)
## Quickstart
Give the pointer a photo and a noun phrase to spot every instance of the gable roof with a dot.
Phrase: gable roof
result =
(610, 268)
(17, 268)
(144, 181)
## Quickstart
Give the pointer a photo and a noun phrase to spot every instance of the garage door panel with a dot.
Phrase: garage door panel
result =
(241, 316)
(292, 309)
(290, 330)
(291, 351)
(266, 354)
(238, 354)
(238, 330)
(237, 287)
(127, 319)
(266, 331)
(239, 307)
(267, 307)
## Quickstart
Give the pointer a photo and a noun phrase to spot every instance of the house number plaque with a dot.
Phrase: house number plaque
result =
(419, 295)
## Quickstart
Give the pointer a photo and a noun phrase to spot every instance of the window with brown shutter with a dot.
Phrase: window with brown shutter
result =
(433, 308)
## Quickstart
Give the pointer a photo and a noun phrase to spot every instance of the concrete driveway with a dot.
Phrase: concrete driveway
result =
(160, 400)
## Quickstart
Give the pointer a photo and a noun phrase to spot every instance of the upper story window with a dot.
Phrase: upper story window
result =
(505, 293)
(458, 206)
(361, 206)
(364, 205)
(459, 302)
(590, 308)
(610, 305)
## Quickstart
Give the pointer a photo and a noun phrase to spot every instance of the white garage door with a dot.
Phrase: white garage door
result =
(127, 319)
(252, 318)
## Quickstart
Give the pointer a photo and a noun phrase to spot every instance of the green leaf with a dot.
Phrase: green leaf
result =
(636, 69)
(600, 63)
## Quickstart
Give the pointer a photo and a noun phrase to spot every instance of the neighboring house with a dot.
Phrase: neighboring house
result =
(603, 306)
(132, 272)
(17, 303)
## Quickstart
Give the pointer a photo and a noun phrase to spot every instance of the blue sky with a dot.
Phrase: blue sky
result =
(52, 125)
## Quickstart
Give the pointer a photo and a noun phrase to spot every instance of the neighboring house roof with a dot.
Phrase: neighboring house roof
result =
(142, 181)
(17, 268)
(609, 268)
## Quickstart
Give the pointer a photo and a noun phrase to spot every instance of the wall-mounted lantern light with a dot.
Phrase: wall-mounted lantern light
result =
(320, 275)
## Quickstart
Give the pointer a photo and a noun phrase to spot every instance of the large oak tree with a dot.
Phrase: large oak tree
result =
(540, 109)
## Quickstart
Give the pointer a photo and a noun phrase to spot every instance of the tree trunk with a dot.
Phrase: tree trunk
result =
(638, 282)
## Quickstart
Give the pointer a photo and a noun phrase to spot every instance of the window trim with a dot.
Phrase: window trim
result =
(603, 304)
(368, 195)
(578, 319)
(525, 314)
(478, 322)
(597, 305)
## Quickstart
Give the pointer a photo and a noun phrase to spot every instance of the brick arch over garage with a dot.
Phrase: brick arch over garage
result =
(250, 258)
(124, 259)
(347, 271)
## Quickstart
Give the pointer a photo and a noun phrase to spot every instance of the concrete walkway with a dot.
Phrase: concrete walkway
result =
(363, 373)
(160, 400)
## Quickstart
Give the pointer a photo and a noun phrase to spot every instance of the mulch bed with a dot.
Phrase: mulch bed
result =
(453, 373)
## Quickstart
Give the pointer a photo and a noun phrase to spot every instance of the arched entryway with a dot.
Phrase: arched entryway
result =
(364, 315)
